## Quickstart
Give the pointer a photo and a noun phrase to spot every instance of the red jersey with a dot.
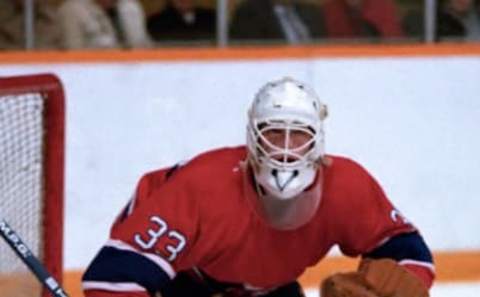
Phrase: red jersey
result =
(199, 215)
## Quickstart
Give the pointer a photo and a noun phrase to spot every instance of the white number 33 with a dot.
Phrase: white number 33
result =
(155, 233)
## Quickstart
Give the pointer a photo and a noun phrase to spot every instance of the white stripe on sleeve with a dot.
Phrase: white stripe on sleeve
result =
(114, 287)
(418, 263)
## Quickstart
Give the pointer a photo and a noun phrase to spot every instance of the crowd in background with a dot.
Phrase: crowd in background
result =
(86, 24)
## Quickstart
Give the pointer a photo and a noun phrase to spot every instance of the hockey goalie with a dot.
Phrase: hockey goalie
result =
(248, 220)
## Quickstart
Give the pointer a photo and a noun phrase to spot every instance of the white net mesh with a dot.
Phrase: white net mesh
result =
(21, 186)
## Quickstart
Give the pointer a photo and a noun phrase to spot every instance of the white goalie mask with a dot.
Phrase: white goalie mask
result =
(285, 143)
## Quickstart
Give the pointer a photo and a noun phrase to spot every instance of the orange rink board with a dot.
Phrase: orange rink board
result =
(240, 53)
(450, 267)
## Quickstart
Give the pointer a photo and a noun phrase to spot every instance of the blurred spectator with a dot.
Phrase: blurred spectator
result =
(290, 21)
(103, 24)
(456, 19)
(362, 18)
(182, 20)
(12, 25)
(133, 24)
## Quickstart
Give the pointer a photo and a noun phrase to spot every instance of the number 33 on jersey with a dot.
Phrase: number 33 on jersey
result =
(166, 242)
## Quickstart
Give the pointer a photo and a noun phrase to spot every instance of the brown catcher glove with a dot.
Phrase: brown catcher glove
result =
(374, 278)
(349, 284)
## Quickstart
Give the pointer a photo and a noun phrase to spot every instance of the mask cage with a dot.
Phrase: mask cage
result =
(283, 157)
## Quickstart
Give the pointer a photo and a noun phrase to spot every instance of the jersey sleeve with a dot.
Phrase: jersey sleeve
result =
(366, 217)
(149, 242)
(410, 251)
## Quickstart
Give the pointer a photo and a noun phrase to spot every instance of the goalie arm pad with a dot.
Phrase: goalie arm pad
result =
(375, 278)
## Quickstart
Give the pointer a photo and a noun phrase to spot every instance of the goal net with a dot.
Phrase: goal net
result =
(31, 177)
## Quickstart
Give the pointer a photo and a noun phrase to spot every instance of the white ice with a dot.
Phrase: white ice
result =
(438, 290)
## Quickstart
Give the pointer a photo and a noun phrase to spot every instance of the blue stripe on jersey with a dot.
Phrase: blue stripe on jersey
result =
(403, 246)
(120, 266)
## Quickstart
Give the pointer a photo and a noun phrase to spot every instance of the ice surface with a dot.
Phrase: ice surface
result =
(439, 290)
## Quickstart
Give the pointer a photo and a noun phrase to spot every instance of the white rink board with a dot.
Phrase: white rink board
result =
(413, 122)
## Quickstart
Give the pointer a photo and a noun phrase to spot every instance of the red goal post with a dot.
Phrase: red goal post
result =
(32, 129)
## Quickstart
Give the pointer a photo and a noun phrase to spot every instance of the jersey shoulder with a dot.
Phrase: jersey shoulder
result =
(205, 179)
(212, 177)
(218, 158)
(364, 216)
(347, 183)
(346, 170)
(212, 168)
(199, 169)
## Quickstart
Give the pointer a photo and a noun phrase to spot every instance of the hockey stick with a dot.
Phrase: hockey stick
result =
(26, 255)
